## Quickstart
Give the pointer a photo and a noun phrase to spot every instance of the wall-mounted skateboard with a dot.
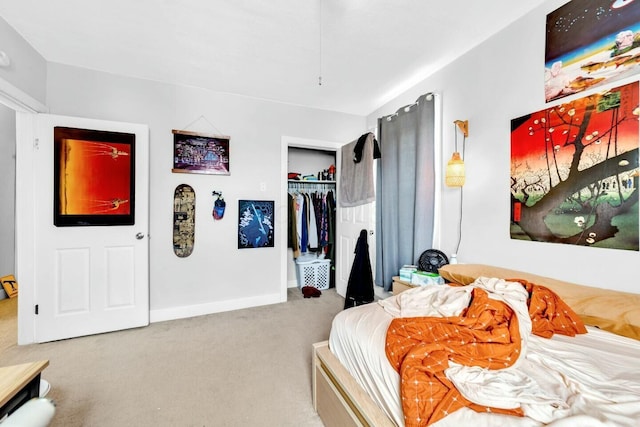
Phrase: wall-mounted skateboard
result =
(184, 220)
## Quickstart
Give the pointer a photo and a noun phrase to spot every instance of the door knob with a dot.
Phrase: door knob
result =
(140, 236)
(370, 232)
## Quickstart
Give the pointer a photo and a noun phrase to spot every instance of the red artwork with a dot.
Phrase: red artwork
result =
(94, 177)
(574, 172)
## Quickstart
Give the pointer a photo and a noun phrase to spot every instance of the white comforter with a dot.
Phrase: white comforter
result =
(588, 380)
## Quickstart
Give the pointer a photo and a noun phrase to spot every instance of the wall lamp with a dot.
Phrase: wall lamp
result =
(455, 175)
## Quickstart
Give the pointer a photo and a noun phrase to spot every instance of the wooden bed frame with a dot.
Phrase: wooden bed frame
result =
(337, 398)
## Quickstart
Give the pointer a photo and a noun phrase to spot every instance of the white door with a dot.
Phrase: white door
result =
(350, 222)
(89, 277)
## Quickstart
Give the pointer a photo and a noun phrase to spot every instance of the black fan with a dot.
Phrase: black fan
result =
(431, 260)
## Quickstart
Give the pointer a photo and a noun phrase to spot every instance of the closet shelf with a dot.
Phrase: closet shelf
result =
(299, 181)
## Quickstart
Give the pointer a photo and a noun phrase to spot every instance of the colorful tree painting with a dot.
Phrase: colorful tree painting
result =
(574, 172)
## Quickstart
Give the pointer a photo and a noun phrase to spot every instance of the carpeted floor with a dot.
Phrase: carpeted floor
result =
(248, 367)
(8, 323)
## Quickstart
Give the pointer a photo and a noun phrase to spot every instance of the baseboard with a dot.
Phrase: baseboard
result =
(292, 284)
(184, 312)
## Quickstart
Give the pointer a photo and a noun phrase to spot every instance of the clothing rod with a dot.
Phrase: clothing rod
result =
(312, 185)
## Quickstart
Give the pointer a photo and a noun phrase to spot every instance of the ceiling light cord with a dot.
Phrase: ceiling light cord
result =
(320, 43)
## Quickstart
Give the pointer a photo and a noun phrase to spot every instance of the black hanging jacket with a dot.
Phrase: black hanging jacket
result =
(360, 285)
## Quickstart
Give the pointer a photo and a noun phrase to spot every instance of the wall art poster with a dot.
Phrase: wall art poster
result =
(200, 153)
(94, 177)
(574, 172)
(590, 43)
(255, 224)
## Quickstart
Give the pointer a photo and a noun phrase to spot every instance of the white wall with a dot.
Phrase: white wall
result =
(28, 68)
(500, 80)
(217, 276)
(309, 162)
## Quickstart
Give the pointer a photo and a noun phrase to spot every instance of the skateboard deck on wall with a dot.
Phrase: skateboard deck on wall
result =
(184, 220)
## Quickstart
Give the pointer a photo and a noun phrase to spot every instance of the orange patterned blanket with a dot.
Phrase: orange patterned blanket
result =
(485, 334)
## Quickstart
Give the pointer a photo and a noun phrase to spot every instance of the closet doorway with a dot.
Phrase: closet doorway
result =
(349, 221)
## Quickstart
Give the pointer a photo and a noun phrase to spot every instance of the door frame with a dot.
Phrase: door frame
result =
(24, 105)
(285, 143)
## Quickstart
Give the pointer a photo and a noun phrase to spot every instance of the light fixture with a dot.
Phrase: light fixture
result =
(455, 173)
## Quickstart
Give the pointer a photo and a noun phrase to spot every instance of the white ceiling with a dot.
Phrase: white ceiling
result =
(367, 51)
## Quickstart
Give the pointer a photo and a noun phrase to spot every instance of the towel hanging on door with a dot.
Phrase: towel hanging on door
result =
(356, 175)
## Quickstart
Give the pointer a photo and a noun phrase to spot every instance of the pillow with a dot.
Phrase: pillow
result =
(613, 311)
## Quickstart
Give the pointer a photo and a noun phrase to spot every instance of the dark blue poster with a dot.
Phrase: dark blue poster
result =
(255, 224)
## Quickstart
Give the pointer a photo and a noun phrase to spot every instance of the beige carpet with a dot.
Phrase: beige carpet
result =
(247, 367)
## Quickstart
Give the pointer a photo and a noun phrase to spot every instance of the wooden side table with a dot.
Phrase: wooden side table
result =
(400, 285)
(19, 384)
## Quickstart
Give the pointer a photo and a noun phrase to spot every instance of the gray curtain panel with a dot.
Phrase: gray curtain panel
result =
(405, 188)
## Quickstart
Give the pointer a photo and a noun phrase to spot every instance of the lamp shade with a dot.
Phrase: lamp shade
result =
(454, 176)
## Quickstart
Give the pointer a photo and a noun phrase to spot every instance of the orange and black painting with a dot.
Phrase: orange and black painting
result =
(94, 177)
(574, 171)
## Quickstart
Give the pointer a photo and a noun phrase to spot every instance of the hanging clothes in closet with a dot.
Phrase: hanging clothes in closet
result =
(311, 219)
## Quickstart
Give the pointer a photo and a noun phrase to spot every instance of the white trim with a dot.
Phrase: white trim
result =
(24, 230)
(18, 100)
(185, 312)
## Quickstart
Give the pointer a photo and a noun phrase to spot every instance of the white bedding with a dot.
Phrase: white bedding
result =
(589, 380)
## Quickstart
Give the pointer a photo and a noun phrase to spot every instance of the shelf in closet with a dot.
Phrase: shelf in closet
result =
(300, 181)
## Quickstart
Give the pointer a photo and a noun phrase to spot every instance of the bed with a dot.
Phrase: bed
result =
(593, 376)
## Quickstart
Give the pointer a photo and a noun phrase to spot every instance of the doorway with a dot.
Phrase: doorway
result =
(349, 221)
(8, 307)
(287, 267)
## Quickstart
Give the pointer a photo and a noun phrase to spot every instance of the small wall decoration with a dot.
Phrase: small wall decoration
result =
(200, 153)
(590, 43)
(219, 205)
(574, 172)
(255, 224)
(94, 177)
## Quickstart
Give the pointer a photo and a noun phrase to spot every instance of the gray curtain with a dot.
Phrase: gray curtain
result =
(405, 188)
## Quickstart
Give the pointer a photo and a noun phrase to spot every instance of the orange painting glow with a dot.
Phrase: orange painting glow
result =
(95, 178)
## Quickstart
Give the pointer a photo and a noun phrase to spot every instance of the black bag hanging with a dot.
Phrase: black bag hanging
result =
(360, 285)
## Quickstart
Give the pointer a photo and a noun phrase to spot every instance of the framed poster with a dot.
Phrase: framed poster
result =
(94, 177)
(590, 43)
(574, 172)
(255, 224)
(200, 153)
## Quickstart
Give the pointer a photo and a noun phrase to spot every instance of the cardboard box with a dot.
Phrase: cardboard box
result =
(9, 285)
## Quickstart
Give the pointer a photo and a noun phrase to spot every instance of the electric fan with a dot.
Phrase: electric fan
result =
(431, 260)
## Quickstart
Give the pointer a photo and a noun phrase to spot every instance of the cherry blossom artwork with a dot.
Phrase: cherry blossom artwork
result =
(574, 172)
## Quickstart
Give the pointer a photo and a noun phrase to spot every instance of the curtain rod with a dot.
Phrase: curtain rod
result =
(428, 96)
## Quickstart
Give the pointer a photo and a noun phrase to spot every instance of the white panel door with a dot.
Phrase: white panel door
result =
(351, 221)
(89, 278)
